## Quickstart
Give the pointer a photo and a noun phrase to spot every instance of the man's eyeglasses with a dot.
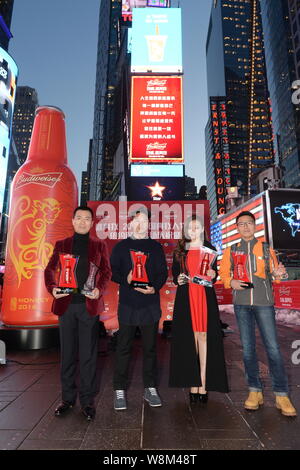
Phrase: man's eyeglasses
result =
(244, 224)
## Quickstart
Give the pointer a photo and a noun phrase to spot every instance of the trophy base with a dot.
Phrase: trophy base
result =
(67, 290)
(86, 291)
(201, 282)
(142, 285)
(249, 285)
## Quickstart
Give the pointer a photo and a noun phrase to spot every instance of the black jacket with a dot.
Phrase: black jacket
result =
(184, 362)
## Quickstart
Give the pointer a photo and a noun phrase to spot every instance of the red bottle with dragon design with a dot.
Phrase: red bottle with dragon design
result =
(44, 195)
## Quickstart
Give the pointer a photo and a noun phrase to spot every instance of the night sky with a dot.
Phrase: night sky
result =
(55, 48)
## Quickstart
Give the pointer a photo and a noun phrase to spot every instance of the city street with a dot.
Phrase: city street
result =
(30, 391)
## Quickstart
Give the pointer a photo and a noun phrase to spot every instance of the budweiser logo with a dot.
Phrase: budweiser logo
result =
(284, 290)
(156, 82)
(156, 146)
(43, 179)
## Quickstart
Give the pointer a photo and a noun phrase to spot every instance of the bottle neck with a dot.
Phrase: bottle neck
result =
(48, 140)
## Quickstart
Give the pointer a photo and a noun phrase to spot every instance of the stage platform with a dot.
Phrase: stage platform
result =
(30, 391)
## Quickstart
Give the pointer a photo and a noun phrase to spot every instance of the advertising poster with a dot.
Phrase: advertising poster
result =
(156, 40)
(156, 120)
(127, 7)
(8, 85)
(284, 218)
(112, 225)
(157, 170)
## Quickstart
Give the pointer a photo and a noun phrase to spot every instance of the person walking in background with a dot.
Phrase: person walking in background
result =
(138, 307)
(197, 355)
(254, 303)
(78, 313)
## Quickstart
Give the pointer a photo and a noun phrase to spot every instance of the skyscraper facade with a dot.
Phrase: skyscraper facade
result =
(25, 106)
(240, 127)
(281, 33)
(294, 18)
(111, 102)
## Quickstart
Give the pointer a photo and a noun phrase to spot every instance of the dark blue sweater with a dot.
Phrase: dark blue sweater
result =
(135, 307)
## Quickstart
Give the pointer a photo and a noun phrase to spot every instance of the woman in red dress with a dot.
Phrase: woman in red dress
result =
(197, 355)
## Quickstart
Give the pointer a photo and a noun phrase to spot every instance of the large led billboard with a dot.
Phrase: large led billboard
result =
(284, 218)
(156, 40)
(158, 3)
(8, 85)
(157, 170)
(156, 119)
(129, 5)
(156, 189)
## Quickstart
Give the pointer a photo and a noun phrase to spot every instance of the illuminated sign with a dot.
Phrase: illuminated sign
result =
(127, 7)
(156, 119)
(156, 189)
(156, 170)
(156, 40)
(220, 141)
(8, 84)
(158, 3)
(284, 218)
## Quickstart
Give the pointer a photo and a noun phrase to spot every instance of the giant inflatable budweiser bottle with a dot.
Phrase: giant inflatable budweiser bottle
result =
(44, 195)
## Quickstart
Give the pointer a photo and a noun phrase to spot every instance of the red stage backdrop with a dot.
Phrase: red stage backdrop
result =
(111, 224)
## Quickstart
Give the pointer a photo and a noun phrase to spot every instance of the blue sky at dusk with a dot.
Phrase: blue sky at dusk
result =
(55, 47)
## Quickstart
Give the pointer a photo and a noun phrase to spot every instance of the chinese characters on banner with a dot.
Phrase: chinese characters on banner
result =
(221, 150)
(156, 123)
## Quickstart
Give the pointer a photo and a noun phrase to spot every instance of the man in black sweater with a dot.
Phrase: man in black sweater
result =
(138, 307)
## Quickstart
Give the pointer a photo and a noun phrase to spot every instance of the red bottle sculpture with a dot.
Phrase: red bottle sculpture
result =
(44, 195)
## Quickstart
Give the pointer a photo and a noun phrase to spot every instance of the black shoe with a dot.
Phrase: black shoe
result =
(203, 397)
(89, 412)
(194, 397)
(63, 407)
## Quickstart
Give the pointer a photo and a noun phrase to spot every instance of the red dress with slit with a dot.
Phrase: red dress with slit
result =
(197, 295)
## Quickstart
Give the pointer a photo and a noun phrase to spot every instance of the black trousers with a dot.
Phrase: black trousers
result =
(125, 338)
(79, 333)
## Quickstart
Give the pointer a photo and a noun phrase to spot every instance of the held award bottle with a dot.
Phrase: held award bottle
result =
(43, 197)
(204, 265)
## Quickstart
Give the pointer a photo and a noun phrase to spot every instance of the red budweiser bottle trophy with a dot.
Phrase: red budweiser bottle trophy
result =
(67, 278)
(44, 195)
(207, 258)
(139, 273)
(240, 270)
(204, 265)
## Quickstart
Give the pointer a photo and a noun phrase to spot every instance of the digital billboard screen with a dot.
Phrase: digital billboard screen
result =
(157, 170)
(158, 3)
(284, 218)
(156, 119)
(156, 189)
(127, 7)
(8, 84)
(156, 40)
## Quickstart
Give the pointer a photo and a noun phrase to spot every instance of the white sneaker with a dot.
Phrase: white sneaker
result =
(120, 400)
